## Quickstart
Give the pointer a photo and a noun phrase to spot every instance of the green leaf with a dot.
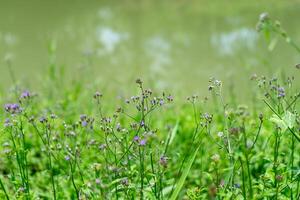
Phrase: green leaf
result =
(173, 133)
(185, 173)
(272, 44)
(279, 122)
(289, 119)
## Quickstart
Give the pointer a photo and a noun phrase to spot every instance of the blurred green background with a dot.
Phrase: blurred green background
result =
(175, 45)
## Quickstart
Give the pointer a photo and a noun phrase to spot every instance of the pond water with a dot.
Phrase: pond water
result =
(175, 45)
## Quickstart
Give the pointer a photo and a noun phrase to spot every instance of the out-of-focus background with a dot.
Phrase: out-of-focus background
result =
(172, 44)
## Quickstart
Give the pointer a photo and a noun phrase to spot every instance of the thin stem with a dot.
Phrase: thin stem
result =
(4, 190)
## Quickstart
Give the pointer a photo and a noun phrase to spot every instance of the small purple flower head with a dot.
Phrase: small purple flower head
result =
(163, 161)
(170, 98)
(7, 123)
(12, 108)
(281, 92)
(67, 158)
(84, 123)
(118, 127)
(143, 142)
(161, 102)
(43, 120)
(142, 123)
(25, 95)
(83, 117)
(136, 138)
(207, 117)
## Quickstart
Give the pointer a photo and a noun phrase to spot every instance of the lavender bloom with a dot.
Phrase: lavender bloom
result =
(207, 117)
(67, 158)
(7, 123)
(161, 102)
(83, 117)
(163, 161)
(143, 142)
(170, 98)
(142, 123)
(84, 123)
(25, 95)
(118, 127)
(136, 138)
(281, 92)
(12, 108)
(43, 120)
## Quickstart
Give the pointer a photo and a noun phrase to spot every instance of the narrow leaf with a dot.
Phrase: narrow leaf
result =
(185, 173)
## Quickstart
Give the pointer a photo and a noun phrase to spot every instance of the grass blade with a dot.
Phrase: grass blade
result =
(185, 173)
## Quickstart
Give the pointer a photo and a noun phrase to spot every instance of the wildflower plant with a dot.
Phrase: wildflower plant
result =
(151, 146)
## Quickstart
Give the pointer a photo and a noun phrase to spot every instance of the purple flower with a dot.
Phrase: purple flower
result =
(25, 95)
(281, 92)
(43, 120)
(84, 123)
(83, 117)
(12, 108)
(142, 142)
(118, 127)
(136, 138)
(142, 123)
(67, 158)
(163, 161)
(7, 123)
(161, 102)
(170, 98)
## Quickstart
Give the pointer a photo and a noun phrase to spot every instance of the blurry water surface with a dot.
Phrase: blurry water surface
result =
(175, 45)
